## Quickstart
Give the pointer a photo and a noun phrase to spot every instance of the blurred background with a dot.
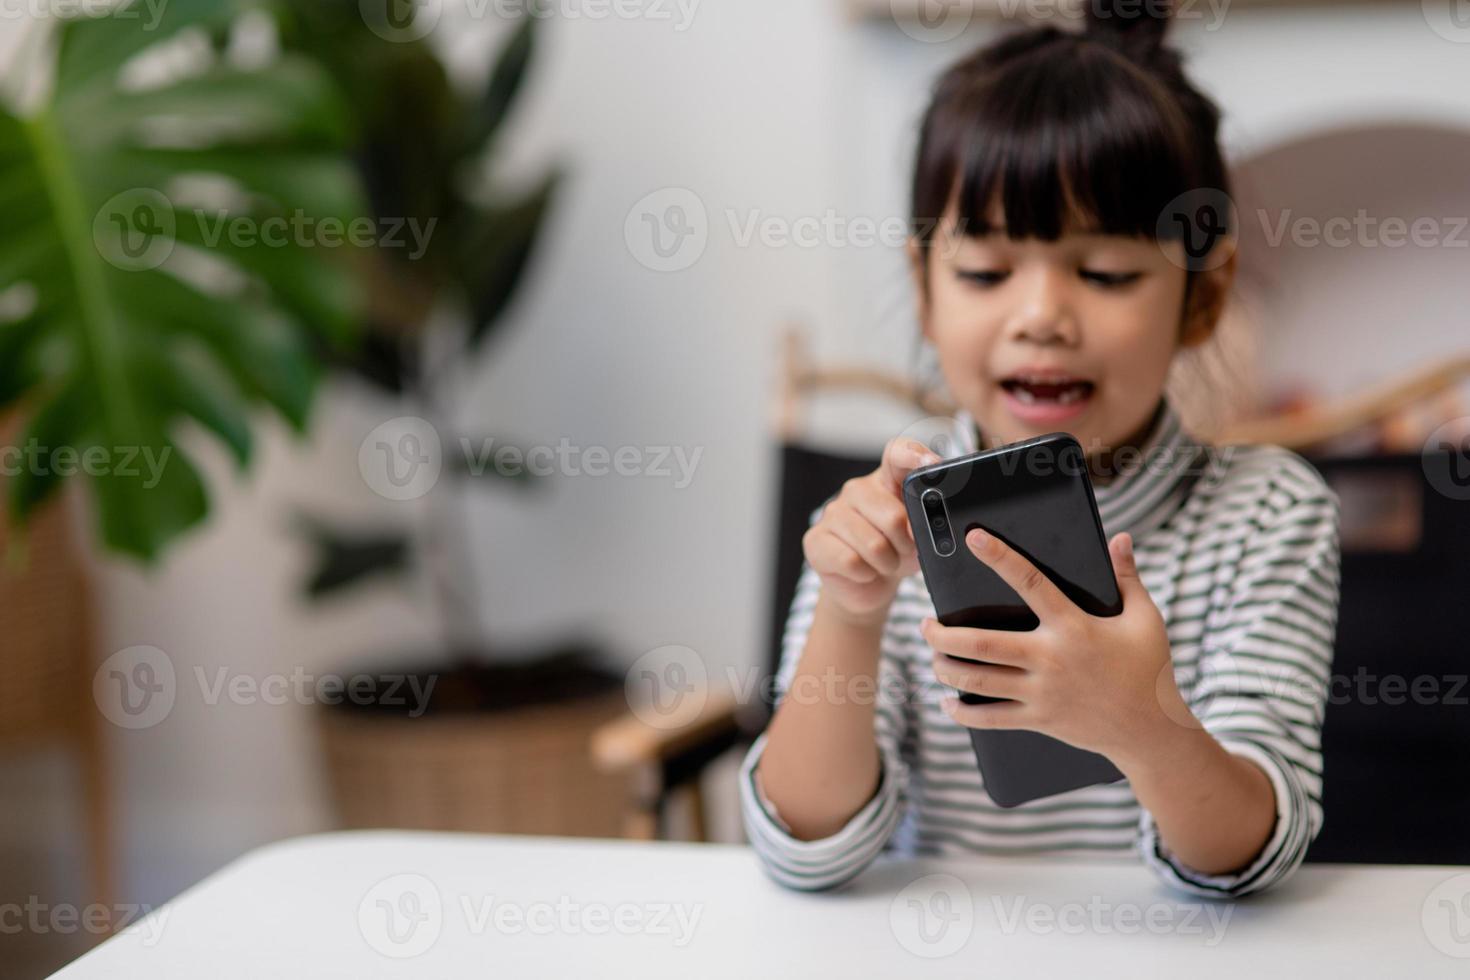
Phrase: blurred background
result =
(398, 400)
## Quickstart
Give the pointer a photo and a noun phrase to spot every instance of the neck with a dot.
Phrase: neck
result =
(1103, 462)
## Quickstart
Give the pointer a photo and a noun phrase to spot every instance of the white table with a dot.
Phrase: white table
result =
(366, 905)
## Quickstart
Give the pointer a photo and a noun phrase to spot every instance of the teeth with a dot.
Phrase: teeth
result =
(1073, 392)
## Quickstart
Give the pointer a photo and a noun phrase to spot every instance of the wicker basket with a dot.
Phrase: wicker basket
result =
(523, 771)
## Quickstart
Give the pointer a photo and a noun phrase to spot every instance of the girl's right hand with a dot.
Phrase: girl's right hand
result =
(862, 546)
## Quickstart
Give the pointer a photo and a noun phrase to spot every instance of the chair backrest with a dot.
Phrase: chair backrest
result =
(808, 476)
(1396, 738)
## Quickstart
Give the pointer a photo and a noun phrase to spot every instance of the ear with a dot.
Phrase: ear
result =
(1208, 293)
(921, 285)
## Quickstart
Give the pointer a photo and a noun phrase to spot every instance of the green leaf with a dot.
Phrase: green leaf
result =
(294, 104)
(93, 50)
(38, 477)
(19, 370)
(264, 354)
(346, 557)
(500, 246)
(195, 386)
(145, 505)
(316, 184)
(505, 82)
(139, 328)
(319, 286)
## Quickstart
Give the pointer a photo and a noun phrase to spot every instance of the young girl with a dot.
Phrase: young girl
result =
(1056, 298)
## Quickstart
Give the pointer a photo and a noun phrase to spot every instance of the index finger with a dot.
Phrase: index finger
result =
(1039, 593)
(902, 456)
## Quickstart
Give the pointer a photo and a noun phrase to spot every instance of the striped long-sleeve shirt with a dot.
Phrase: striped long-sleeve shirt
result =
(1238, 547)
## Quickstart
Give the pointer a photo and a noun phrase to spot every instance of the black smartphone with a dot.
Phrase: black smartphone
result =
(1035, 496)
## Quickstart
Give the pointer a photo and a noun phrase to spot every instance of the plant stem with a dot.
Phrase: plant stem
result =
(99, 335)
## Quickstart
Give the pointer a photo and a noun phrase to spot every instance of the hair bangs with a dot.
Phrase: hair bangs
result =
(1072, 139)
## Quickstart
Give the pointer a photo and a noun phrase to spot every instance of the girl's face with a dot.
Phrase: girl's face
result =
(1074, 335)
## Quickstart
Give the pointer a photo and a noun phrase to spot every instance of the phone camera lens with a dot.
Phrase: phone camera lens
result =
(940, 523)
(944, 544)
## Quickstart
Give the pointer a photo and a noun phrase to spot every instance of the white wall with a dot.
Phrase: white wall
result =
(761, 104)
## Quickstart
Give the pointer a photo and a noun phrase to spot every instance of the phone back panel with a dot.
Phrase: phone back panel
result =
(1036, 496)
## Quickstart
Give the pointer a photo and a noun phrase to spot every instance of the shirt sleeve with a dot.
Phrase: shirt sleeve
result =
(825, 863)
(1264, 673)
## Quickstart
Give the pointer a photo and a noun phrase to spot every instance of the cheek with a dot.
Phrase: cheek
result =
(1143, 334)
(961, 329)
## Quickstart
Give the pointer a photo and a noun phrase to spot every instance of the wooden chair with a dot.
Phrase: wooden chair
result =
(665, 763)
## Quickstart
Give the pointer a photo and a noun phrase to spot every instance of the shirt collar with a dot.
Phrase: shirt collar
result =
(1151, 483)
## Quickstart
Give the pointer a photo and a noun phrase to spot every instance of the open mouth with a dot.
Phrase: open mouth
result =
(1048, 389)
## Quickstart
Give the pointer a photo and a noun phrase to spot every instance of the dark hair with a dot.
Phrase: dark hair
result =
(1098, 130)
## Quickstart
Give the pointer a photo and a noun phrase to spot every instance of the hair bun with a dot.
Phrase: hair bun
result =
(1135, 26)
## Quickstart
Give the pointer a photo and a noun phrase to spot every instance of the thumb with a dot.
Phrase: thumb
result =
(1125, 568)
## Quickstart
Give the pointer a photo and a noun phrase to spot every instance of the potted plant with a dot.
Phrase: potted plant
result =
(499, 740)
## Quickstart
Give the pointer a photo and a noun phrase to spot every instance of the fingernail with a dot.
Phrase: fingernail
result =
(1127, 546)
(978, 538)
(948, 704)
(924, 623)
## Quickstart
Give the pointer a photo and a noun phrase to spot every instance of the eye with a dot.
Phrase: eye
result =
(1109, 280)
(982, 277)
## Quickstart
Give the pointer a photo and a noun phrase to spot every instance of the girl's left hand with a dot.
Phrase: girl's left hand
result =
(1104, 683)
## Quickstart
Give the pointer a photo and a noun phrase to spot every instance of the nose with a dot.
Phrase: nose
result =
(1044, 315)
